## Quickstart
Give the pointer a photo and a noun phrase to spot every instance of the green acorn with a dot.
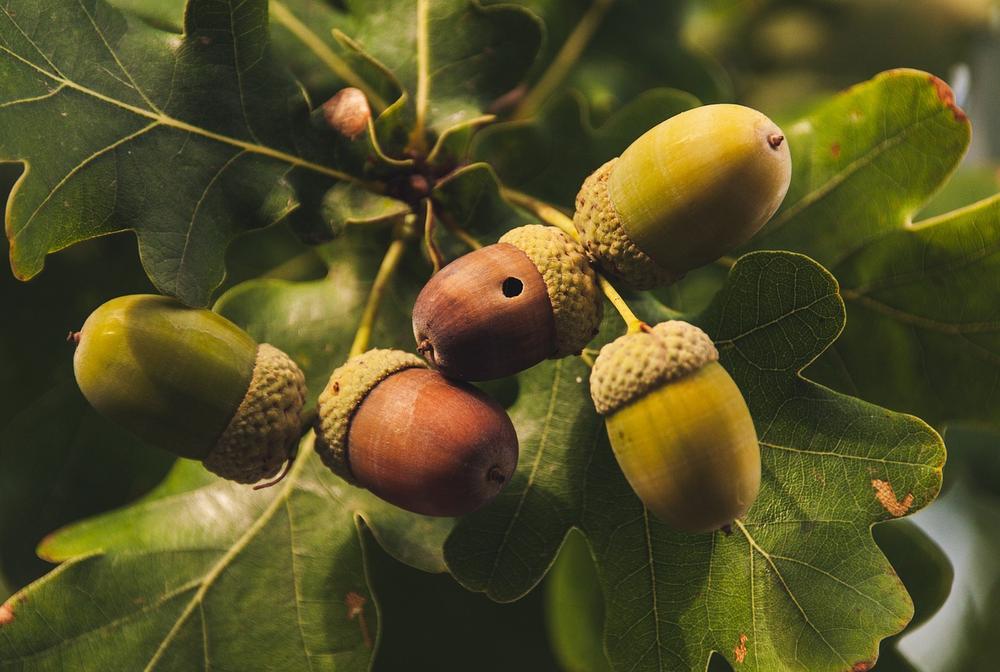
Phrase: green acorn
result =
(678, 425)
(416, 439)
(191, 382)
(685, 193)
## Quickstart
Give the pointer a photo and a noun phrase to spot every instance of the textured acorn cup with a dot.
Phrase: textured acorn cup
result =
(503, 308)
(678, 425)
(412, 437)
(191, 382)
(688, 191)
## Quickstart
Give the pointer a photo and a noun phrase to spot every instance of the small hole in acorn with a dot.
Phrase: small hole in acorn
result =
(512, 287)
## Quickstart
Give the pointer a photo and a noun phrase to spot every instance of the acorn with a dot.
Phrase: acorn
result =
(678, 425)
(685, 193)
(191, 382)
(412, 437)
(503, 308)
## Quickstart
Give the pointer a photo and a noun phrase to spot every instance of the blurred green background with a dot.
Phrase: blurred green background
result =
(781, 56)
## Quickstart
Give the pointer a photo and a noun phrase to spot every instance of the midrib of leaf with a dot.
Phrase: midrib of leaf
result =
(927, 324)
(653, 588)
(324, 53)
(861, 458)
(565, 60)
(305, 453)
(847, 171)
(168, 121)
(754, 546)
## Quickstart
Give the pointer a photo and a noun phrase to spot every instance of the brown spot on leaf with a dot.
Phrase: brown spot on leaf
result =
(740, 652)
(947, 96)
(6, 614)
(356, 610)
(863, 666)
(835, 150)
(887, 498)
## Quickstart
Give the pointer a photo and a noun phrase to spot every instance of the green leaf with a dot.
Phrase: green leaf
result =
(574, 608)
(452, 58)
(777, 593)
(187, 140)
(621, 49)
(923, 328)
(551, 154)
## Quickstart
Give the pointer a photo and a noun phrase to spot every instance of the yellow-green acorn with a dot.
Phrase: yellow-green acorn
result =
(685, 193)
(191, 382)
(416, 439)
(508, 306)
(678, 425)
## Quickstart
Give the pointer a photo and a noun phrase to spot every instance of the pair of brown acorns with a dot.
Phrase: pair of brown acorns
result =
(422, 437)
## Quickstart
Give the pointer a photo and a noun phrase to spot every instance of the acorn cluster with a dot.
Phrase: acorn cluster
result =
(413, 430)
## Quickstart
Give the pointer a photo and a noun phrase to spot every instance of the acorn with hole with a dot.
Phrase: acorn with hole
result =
(191, 382)
(412, 437)
(678, 425)
(503, 308)
(685, 193)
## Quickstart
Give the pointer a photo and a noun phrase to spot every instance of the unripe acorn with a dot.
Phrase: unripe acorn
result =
(685, 193)
(191, 382)
(678, 426)
(508, 306)
(412, 437)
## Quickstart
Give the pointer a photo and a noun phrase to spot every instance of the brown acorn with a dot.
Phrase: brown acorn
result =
(506, 307)
(412, 437)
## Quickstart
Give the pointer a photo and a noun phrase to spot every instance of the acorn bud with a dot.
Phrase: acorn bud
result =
(678, 426)
(191, 382)
(505, 307)
(347, 112)
(685, 193)
(412, 437)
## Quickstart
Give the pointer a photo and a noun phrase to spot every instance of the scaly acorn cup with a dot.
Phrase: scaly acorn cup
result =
(503, 308)
(678, 425)
(191, 382)
(685, 193)
(412, 437)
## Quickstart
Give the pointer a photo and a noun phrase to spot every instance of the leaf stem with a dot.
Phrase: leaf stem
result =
(633, 324)
(555, 217)
(385, 272)
(456, 230)
(564, 61)
(417, 140)
(437, 261)
(324, 53)
(546, 212)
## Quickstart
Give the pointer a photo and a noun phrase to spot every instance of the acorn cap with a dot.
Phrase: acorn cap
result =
(605, 239)
(635, 364)
(265, 427)
(569, 280)
(348, 386)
